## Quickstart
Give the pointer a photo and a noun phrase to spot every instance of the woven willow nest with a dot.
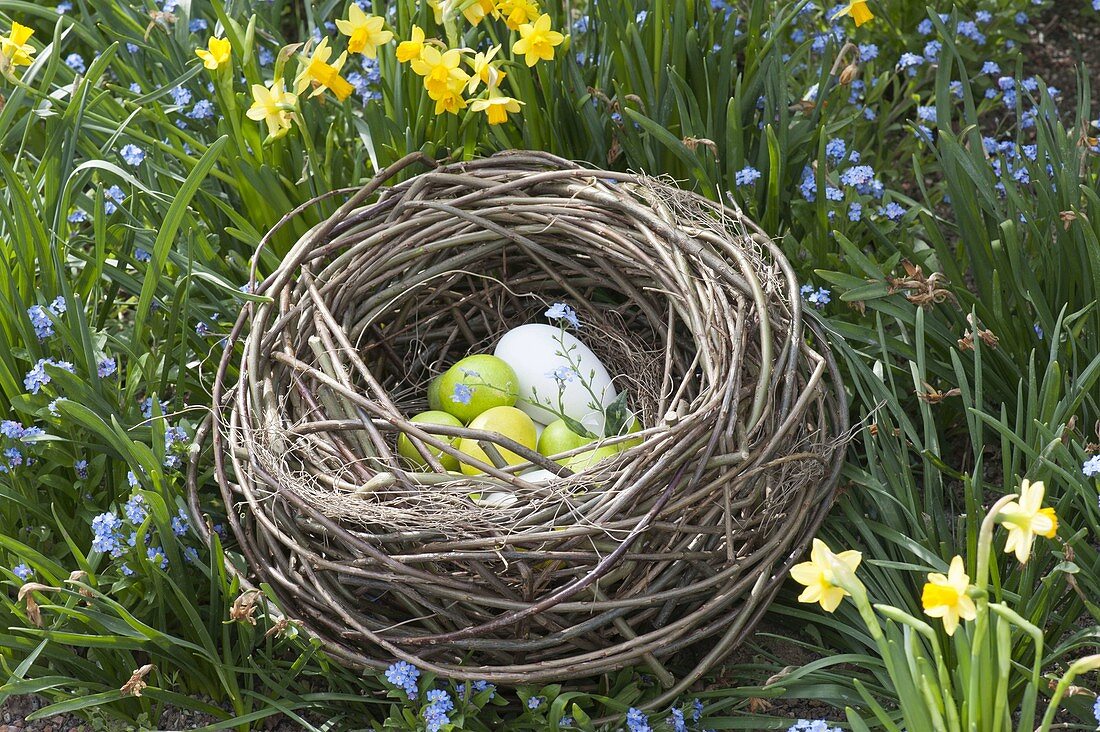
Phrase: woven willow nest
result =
(665, 556)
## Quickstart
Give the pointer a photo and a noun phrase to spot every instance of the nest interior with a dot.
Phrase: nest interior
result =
(681, 539)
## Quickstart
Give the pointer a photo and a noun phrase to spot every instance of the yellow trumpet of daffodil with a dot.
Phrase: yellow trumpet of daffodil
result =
(484, 71)
(496, 106)
(317, 71)
(518, 12)
(14, 49)
(365, 33)
(819, 577)
(537, 41)
(273, 106)
(476, 11)
(1025, 519)
(946, 598)
(410, 49)
(858, 10)
(452, 101)
(440, 71)
(215, 54)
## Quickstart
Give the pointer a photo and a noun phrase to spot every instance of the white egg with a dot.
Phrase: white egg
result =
(494, 499)
(540, 476)
(537, 352)
(506, 499)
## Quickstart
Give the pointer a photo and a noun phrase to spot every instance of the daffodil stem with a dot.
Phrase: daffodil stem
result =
(985, 542)
(1027, 705)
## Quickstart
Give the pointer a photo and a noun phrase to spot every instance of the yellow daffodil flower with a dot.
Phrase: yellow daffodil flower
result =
(215, 54)
(858, 10)
(273, 106)
(440, 71)
(537, 41)
(364, 32)
(410, 49)
(451, 102)
(945, 597)
(14, 49)
(316, 71)
(476, 11)
(818, 576)
(518, 12)
(1025, 519)
(484, 71)
(497, 106)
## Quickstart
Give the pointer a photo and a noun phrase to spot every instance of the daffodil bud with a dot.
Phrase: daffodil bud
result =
(1086, 664)
(849, 74)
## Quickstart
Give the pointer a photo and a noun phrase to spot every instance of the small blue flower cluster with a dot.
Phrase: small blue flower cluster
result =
(107, 534)
(1009, 160)
(37, 377)
(561, 311)
(203, 329)
(819, 298)
(175, 446)
(637, 721)
(1009, 89)
(155, 554)
(16, 431)
(132, 155)
(1091, 468)
(462, 394)
(403, 675)
(437, 710)
(22, 571)
(181, 523)
(43, 317)
(202, 110)
(817, 725)
(856, 181)
(563, 375)
(135, 509)
(114, 535)
(857, 95)
(147, 407)
(107, 367)
(965, 28)
(1096, 707)
(13, 454)
(368, 82)
(835, 32)
(111, 198)
(836, 151)
(76, 62)
(747, 176)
